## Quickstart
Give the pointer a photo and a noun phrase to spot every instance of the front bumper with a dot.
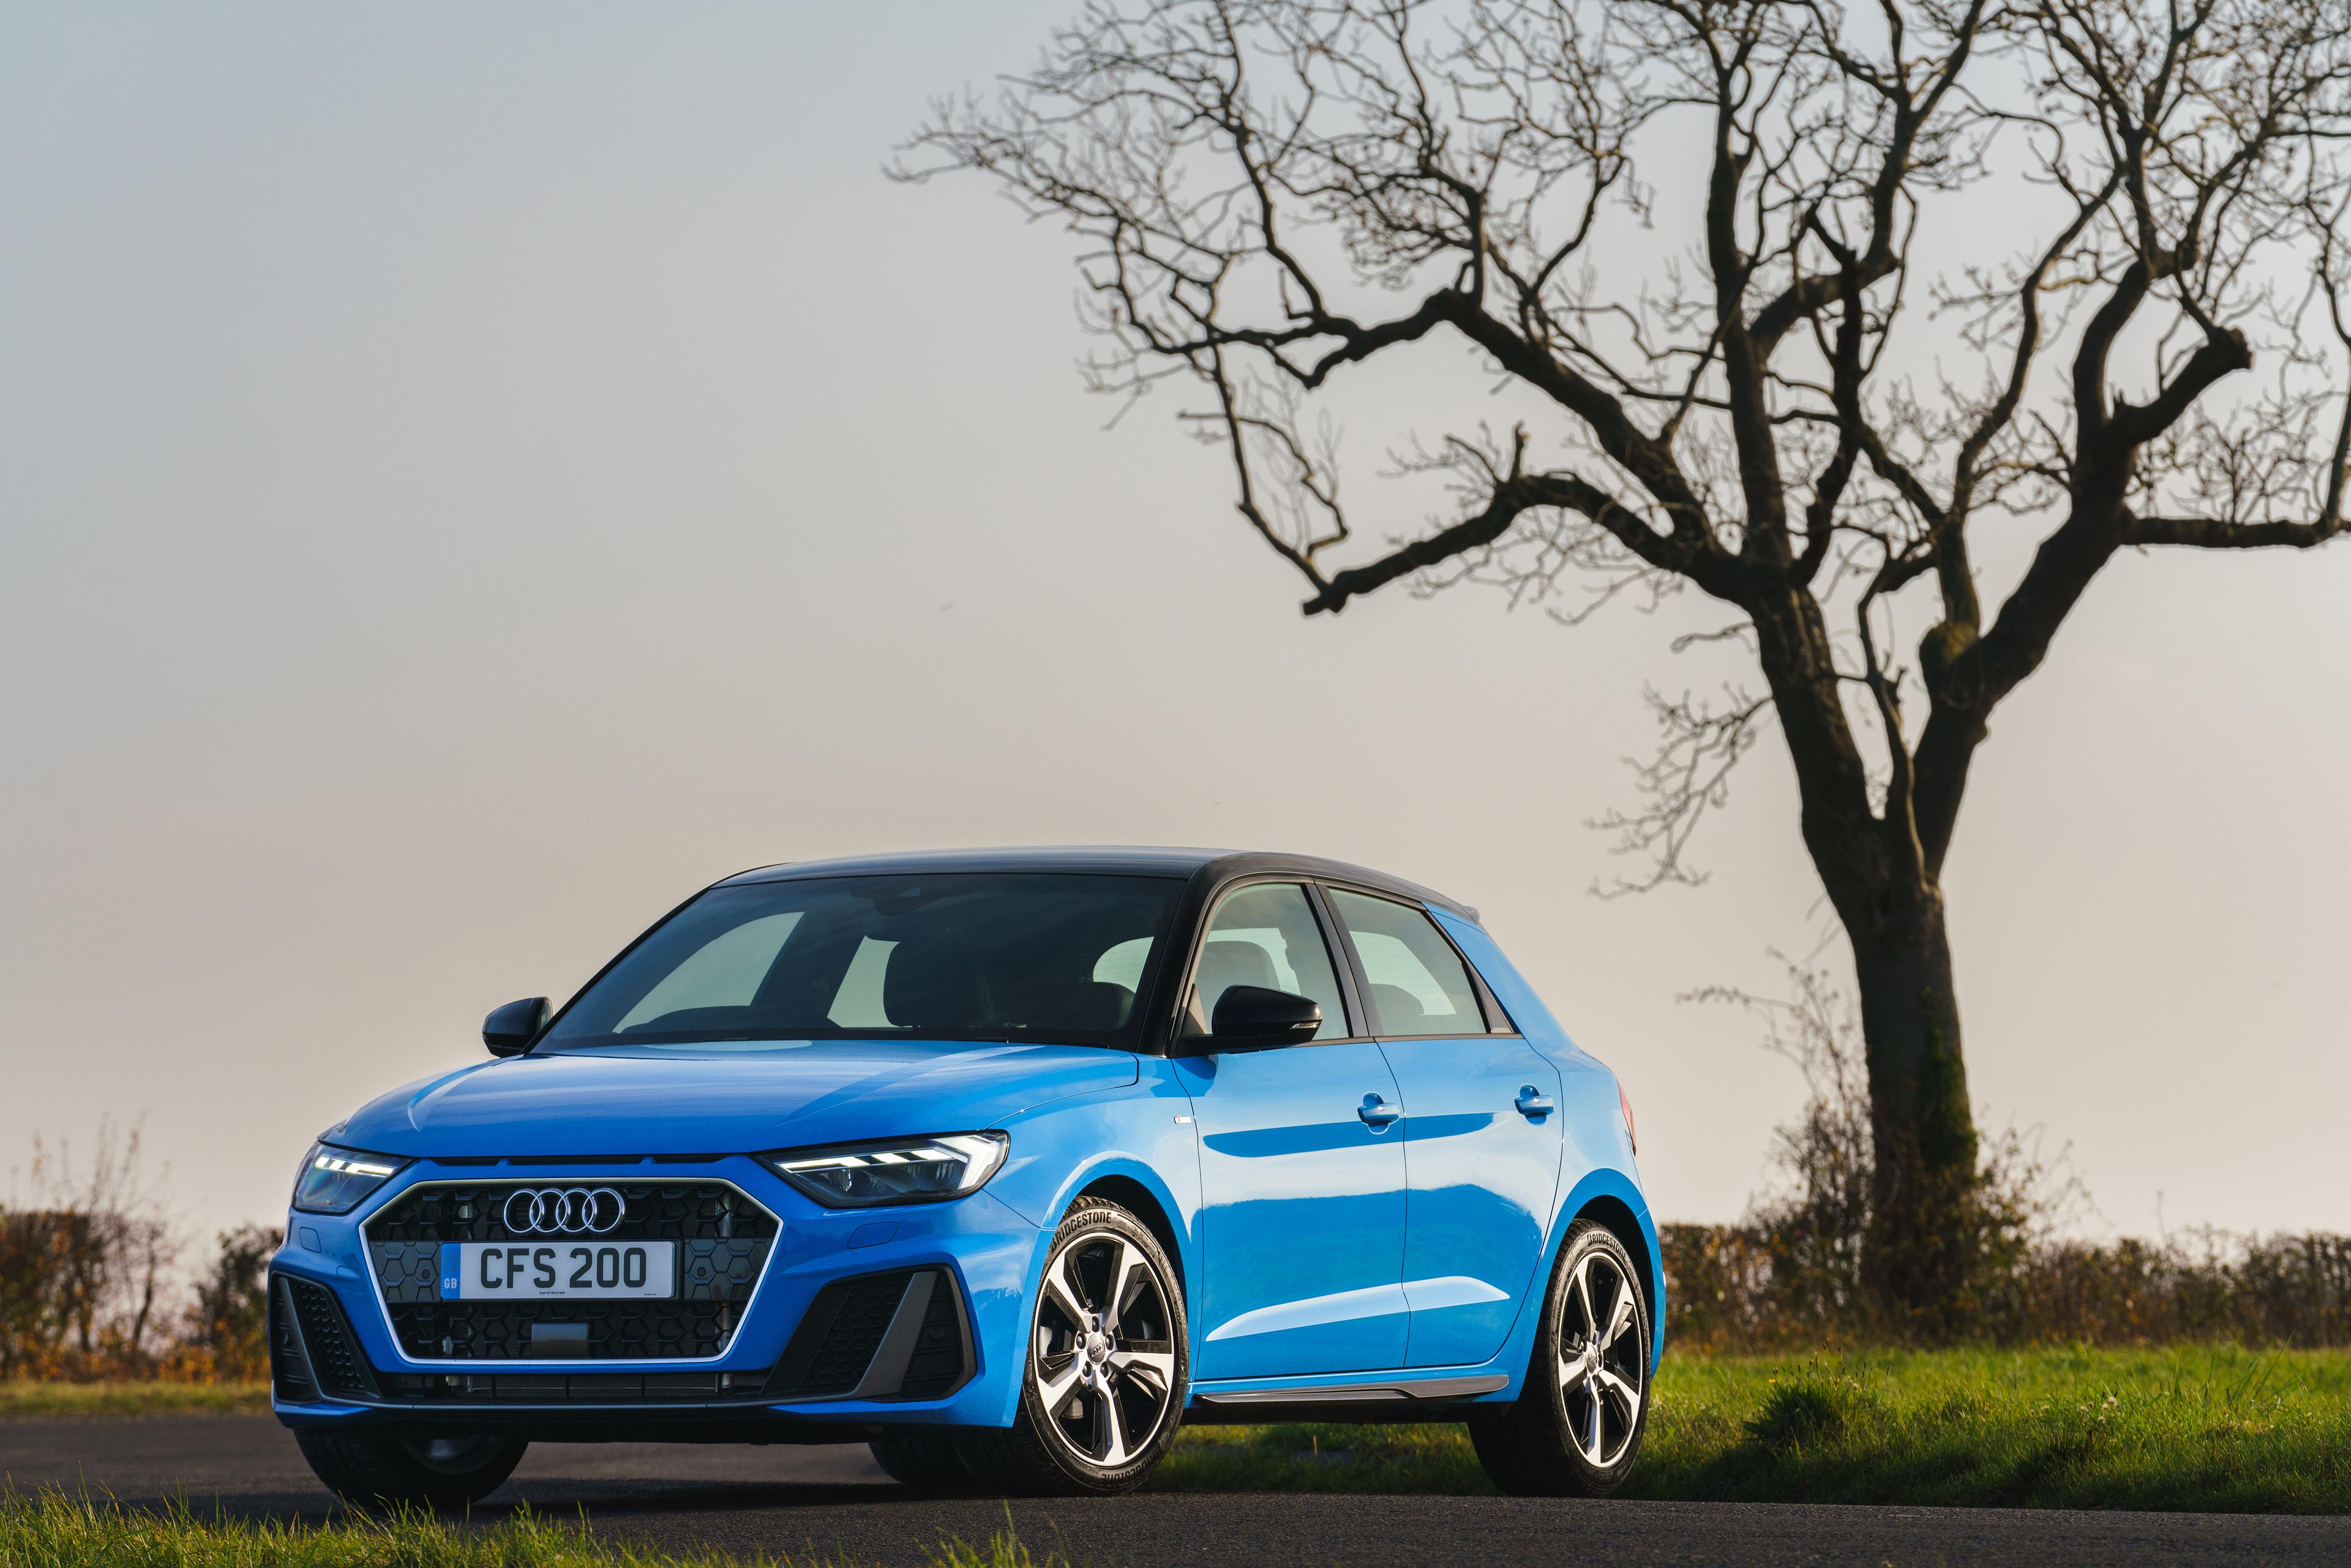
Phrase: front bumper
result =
(861, 1320)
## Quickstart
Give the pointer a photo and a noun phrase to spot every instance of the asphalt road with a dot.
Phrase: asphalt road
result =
(827, 1501)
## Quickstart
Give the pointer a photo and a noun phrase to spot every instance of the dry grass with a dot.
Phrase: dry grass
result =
(50, 1530)
(55, 1401)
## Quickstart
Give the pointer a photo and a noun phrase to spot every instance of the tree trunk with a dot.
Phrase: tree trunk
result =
(1923, 1239)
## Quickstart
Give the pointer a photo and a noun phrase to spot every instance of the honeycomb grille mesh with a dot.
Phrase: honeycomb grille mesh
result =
(847, 1345)
(286, 1373)
(333, 1357)
(843, 1333)
(724, 1240)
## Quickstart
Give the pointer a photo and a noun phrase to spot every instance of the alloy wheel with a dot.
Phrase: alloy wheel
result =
(1602, 1364)
(1103, 1357)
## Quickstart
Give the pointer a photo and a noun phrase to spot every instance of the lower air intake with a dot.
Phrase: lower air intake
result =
(317, 1340)
(899, 1335)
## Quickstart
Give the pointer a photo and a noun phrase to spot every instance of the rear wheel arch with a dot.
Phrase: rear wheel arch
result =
(1615, 1216)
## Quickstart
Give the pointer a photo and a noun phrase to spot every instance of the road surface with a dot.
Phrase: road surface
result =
(821, 1502)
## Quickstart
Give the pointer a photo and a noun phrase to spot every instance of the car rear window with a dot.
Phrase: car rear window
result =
(1047, 957)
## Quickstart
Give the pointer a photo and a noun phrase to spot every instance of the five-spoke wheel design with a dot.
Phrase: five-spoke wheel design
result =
(1603, 1363)
(1575, 1427)
(1102, 1386)
(1103, 1357)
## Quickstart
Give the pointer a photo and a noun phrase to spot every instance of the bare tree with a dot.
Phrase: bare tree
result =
(85, 1267)
(1789, 399)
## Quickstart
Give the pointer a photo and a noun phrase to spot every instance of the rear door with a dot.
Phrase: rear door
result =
(1482, 1142)
(1301, 1162)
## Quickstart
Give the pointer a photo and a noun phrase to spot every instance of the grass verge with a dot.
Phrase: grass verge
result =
(49, 1530)
(2197, 1428)
(51, 1400)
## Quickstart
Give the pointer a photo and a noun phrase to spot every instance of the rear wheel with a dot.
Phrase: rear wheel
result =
(380, 1469)
(1102, 1383)
(930, 1462)
(1577, 1424)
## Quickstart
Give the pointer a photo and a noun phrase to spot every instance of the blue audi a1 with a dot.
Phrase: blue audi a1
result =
(1006, 1163)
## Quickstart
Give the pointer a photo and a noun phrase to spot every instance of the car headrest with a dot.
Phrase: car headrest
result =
(934, 982)
(1231, 961)
(1400, 1010)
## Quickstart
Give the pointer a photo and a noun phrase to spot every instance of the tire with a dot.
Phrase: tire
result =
(1577, 1424)
(1103, 1372)
(381, 1469)
(929, 1461)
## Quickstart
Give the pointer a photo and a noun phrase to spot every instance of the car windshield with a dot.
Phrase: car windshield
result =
(1055, 958)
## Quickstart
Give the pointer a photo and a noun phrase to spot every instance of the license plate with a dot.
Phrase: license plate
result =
(560, 1270)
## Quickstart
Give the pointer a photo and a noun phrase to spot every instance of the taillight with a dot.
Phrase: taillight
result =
(1626, 1105)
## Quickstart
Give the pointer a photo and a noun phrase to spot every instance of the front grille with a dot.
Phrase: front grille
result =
(724, 1238)
(899, 1335)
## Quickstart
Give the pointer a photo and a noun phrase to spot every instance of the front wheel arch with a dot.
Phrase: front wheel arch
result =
(1144, 1203)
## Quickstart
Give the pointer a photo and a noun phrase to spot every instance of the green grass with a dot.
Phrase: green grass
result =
(49, 1530)
(2187, 1427)
(21, 1400)
(2190, 1428)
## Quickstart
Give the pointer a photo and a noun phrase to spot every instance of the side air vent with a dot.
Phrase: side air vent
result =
(899, 1335)
(290, 1373)
(335, 1365)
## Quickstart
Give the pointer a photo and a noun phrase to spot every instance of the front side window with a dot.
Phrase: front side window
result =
(1267, 936)
(1042, 957)
(1419, 985)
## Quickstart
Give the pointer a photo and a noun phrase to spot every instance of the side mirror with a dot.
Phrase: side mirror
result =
(1249, 1016)
(509, 1030)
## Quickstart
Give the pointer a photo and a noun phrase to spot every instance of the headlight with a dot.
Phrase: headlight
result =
(907, 1170)
(333, 1180)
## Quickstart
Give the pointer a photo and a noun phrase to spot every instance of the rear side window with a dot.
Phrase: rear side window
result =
(1418, 984)
(1267, 936)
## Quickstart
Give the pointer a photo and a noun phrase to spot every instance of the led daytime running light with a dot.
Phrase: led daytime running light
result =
(907, 1170)
(354, 1168)
(335, 1181)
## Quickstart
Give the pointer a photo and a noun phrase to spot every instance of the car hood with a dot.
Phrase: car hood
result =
(726, 1097)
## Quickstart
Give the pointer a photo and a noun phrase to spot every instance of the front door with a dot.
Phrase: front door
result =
(1302, 1165)
(1482, 1140)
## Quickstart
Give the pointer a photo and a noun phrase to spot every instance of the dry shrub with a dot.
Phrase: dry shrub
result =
(85, 1265)
(224, 1338)
(1791, 1273)
(89, 1280)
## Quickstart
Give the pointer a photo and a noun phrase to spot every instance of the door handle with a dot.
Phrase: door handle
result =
(1532, 1103)
(1377, 1113)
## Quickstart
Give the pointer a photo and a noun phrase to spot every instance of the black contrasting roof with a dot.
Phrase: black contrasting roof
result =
(1210, 866)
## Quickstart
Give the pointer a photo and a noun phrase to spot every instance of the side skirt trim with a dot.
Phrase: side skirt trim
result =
(1358, 1393)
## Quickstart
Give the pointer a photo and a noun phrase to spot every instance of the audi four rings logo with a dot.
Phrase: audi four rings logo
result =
(564, 1210)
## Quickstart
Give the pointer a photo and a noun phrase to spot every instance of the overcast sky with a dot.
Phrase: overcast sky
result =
(469, 476)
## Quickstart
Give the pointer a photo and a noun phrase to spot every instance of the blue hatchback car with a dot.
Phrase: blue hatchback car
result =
(1007, 1162)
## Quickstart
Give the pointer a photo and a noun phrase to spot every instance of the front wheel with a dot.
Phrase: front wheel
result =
(1102, 1383)
(927, 1460)
(380, 1469)
(1576, 1425)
